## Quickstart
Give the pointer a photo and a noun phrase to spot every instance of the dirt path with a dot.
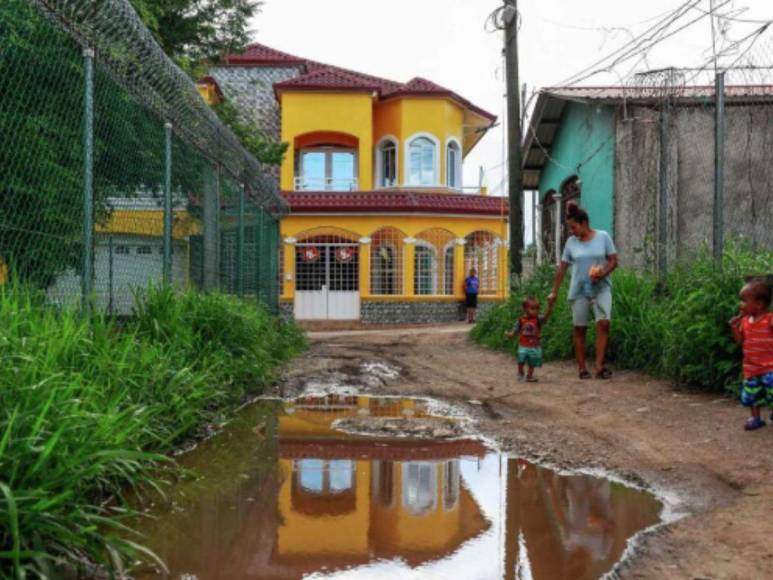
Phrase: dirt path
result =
(688, 446)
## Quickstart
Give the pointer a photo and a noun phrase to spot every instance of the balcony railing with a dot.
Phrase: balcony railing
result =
(326, 184)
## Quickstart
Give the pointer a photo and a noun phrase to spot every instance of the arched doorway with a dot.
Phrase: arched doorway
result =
(327, 282)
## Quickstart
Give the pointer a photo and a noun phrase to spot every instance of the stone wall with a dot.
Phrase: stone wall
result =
(408, 312)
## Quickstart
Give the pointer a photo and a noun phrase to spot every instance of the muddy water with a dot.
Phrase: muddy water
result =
(283, 493)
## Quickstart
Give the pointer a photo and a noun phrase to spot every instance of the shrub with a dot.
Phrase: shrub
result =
(676, 330)
(88, 410)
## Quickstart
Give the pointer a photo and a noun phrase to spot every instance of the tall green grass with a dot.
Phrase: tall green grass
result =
(676, 329)
(88, 411)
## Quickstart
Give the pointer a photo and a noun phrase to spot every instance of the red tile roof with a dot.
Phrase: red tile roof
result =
(320, 76)
(390, 201)
(259, 54)
(329, 78)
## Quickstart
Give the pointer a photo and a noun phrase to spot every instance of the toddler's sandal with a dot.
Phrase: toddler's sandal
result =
(532, 380)
(753, 423)
(585, 375)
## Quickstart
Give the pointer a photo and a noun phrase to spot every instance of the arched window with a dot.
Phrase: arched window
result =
(434, 269)
(481, 252)
(451, 481)
(422, 162)
(419, 487)
(386, 262)
(386, 163)
(448, 272)
(426, 272)
(453, 165)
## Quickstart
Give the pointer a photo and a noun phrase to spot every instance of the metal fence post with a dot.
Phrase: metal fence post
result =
(719, 170)
(87, 280)
(167, 267)
(258, 258)
(240, 246)
(110, 279)
(662, 229)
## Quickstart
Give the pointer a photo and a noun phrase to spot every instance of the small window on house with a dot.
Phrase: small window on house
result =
(121, 250)
(387, 164)
(453, 166)
(144, 250)
(422, 160)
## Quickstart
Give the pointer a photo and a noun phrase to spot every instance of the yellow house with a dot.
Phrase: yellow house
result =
(381, 228)
(346, 500)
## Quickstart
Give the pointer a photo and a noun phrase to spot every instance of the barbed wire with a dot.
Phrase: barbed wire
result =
(127, 51)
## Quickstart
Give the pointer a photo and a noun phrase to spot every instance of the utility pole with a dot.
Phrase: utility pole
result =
(515, 179)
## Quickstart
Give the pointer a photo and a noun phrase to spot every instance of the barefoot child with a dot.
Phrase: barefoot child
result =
(529, 328)
(753, 330)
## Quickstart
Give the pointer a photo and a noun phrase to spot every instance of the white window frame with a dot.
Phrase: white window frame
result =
(435, 267)
(457, 170)
(435, 159)
(379, 161)
(328, 151)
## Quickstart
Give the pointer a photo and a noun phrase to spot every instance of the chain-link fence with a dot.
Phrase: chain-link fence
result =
(114, 174)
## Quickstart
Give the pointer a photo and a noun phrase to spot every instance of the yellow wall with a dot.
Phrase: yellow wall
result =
(149, 223)
(439, 117)
(366, 225)
(350, 113)
(304, 535)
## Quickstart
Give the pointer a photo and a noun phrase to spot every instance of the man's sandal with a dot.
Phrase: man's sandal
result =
(604, 374)
(585, 375)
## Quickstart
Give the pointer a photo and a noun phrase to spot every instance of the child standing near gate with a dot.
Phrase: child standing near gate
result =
(753, 330)
(529, 329)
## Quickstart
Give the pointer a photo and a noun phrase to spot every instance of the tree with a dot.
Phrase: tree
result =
(254, 139)
(197, 32)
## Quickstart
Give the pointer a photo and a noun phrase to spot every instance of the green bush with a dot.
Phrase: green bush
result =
(88, 410)
(676, 330)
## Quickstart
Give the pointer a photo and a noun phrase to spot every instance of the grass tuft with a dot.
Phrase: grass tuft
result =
(88, 411)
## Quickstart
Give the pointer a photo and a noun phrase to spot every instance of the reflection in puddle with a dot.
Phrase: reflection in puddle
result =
(294, 498)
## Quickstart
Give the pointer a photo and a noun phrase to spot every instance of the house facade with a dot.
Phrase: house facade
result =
(381, 228)
(641, 161)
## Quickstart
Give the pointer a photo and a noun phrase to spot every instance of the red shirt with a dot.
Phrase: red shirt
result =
(757, 345)
(529, 330)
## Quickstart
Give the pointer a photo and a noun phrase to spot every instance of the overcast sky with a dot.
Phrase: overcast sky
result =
(445, 41)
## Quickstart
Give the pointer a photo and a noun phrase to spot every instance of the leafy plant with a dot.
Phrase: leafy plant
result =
(88, 411)
(676, 330)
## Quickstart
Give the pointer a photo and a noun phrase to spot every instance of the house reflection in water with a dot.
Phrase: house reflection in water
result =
(569, 526)
(347, 500)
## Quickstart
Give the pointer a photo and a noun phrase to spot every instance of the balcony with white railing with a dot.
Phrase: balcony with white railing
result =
(326, 184)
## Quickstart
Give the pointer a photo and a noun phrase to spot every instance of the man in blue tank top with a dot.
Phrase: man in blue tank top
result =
(471, 288)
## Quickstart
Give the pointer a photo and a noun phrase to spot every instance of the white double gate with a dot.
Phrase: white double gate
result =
(327, 281)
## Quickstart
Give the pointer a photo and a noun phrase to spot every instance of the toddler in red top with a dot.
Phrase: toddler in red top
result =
(753, 330)
(529, 329)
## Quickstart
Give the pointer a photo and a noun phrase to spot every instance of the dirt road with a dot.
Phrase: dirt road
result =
(689, 447)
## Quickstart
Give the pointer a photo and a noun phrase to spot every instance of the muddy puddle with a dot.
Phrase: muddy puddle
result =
(358, 487)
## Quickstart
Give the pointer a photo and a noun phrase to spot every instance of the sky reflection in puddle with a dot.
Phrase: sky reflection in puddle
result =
(282, 495)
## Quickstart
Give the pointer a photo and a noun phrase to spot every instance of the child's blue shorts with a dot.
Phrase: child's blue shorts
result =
(758, 391)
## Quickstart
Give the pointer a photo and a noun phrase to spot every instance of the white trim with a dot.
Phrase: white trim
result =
(365, 240)
(461, 241)
(290, 241)
(458, 170)
(409, 240)
(379, 170)
(436, 160)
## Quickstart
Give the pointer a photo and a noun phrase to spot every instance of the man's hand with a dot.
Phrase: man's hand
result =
(552, 297)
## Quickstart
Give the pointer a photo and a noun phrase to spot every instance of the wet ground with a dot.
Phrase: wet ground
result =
(338, 484)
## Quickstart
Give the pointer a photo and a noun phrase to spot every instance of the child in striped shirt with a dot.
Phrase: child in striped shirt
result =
(753, 330)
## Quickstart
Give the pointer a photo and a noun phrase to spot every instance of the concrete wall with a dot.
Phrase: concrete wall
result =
(585, 146)
(748, 208)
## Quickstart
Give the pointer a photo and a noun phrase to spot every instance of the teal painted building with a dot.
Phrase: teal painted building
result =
(584, 146)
